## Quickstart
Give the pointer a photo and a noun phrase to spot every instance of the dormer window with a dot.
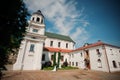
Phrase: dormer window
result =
(38, 19)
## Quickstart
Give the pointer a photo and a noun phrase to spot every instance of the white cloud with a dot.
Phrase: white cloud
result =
(64, 15)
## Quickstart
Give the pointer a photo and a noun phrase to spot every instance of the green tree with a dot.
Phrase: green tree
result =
(59, 57)
(54, 59)
(13, 22)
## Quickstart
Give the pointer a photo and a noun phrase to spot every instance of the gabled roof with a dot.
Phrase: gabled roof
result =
(58, 36)
(94, 45)
(50, 49)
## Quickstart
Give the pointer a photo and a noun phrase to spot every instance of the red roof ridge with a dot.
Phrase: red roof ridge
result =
(93, 45)
(90, 45)
(51, 49)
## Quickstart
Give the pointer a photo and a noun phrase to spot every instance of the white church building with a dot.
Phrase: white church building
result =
(39, 47)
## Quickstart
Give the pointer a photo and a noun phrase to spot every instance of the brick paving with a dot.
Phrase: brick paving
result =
(60, 75)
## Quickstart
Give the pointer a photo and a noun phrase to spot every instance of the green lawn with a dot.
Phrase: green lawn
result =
(63, 68)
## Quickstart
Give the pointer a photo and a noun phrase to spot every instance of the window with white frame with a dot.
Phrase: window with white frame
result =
(72, 55)
(32, 46)
(58, 44)
(52, 57)
(114, 64)
(72, 63)
(76, 63)
(66, 45)
(51, 43)
(35, 30)
(98, 52)
(62, 58)
(99, 63)
(111, 51)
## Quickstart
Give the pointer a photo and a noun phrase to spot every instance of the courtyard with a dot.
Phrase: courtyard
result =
(76, 74)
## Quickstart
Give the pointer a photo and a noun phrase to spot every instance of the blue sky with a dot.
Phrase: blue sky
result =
(85, 21)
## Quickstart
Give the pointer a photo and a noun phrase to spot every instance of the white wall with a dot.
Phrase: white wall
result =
(55, 43)
(18, 63)
(107, 56)
(113, 53)
(77, 56)
(94, 59)
(48, 57)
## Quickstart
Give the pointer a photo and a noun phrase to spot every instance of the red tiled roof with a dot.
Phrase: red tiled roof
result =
(93, 45)
(56, 50)
(90, 45)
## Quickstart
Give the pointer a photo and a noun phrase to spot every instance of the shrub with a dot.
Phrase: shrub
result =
(65, 64)
(48, 64)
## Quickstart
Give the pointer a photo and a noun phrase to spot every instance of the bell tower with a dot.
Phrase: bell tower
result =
(31, 49)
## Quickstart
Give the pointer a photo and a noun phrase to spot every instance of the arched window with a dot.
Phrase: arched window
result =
(33, 19)
(41, 21)
(98, 52)
(99, 63)
(38, 19)
(114, 64)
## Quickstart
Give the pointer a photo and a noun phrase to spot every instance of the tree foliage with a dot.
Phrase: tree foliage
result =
(59, 57)
(54, 59)
(13, 22)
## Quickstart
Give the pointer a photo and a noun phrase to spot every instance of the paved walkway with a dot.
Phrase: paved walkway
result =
(60, 75)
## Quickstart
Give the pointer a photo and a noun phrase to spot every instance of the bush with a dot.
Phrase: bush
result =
(65, 64)
(47, 64)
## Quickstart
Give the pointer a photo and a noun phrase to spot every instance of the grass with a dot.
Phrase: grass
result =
(63, 68)
(68, 68)
(48, 68)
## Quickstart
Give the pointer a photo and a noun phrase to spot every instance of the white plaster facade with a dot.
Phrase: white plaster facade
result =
(107, 60)
(62, 43)
(31, 49)
(38, 43)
